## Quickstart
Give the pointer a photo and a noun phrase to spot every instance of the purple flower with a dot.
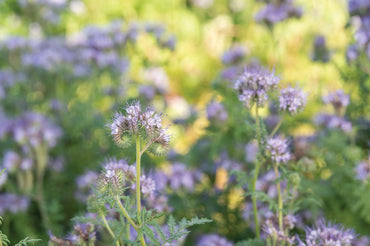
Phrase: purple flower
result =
(328, 234)
(292, 100)
(11, 161)
(333, 122)
(251, 151)
(147, 186)
(234, 55)
(254, 84)
(213, 240)
(181, 177)
(278, 150)
(274, 13)
(13, 203)
(337, 98)
(137, 122)
(352, 53)
(216, 113)
(363, 170)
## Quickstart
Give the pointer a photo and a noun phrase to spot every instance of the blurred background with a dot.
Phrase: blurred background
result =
(67, 66)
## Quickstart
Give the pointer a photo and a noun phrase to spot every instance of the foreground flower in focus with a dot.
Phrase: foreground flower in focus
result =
(254, 84)
(328, 234)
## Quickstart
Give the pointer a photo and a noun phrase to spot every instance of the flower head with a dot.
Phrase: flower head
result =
(137, 122)
(292, 100)
(337, 98)
(278, 149)
(363, 170)
(328, 234)
(254, 84)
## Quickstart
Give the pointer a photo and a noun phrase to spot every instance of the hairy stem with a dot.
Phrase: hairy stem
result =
(256, 171)
(108, 228)
(280, 199)
(124, 211)
(138, 189)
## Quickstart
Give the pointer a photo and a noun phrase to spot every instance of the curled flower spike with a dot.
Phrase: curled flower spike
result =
(328, 234)
(137, 122)
(254, 84)
(278, 149)
(292, 100)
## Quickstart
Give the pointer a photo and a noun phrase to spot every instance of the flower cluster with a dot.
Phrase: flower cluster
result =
(277, 148)
(136, 122)
(337, 98)
(333, 122)
(234, 55)
(292, 100)
(272, 232)
(216, 113)
(363, 170)
(328, 234)
(273, 13)
(213, 240)
(34, 129)
(254, 84)
(13, 203)
(82, 234)
(360, 10)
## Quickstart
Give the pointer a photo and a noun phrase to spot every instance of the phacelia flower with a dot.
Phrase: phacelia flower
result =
(278, 149)
(363, 170)
(273, 13)
(338, 99)
(292, 100)
(254, 84)
(13, 203)
(213, 240)
(234, 55)
(328, 234)
(216, 113)
(139, 123)
(333, 122)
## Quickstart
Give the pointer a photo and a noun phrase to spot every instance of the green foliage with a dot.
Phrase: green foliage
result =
(27, 241)
(251, 242)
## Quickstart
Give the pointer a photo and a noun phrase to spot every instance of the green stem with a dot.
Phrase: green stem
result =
(256, 171)
(124, 211)
(276, 128)
(41, 157)
(138, 174)
(109, 229)
(280, 199)
(138, 189)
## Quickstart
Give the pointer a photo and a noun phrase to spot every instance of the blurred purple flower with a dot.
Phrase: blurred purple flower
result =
(213, 240)
(363, 170)
(216, 113)
(292, 100)
(277, 148)
(234, 55)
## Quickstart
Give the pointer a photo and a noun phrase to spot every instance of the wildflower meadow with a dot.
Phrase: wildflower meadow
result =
(185, 122)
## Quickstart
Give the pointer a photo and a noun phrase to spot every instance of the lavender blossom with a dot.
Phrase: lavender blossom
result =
(84, 184)
(213, 240)
(337, 98)
(267, 184)
(137, 122)
(180, 177)
(333, 122)
(251, 151)
(11, 161)
(363, 170)
(216, 113)
(254, 84)
(274, 13)
(234, 55)
(278, 150)
(328, 234)
(13, 203)
(292, 100)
